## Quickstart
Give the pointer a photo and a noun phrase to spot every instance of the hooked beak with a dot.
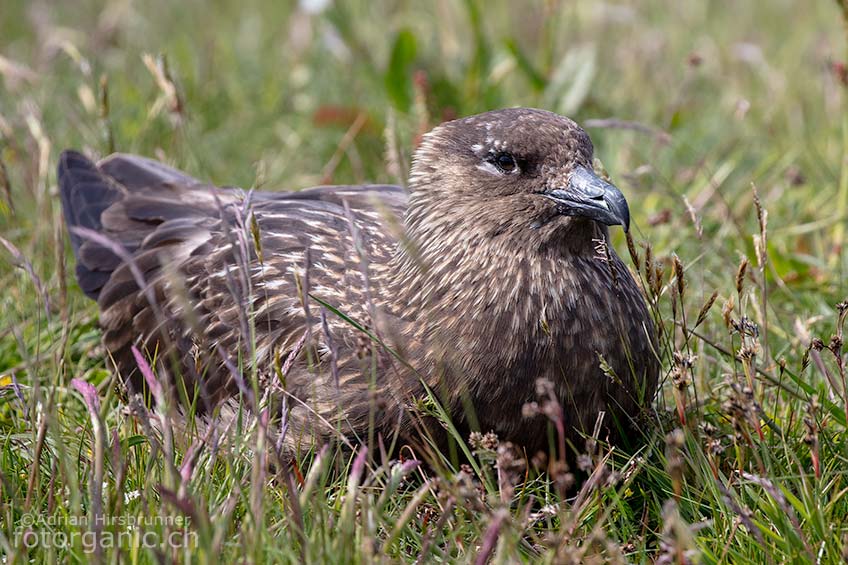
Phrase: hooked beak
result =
(590, 197)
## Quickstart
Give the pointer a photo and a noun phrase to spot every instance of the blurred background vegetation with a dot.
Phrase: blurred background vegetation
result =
(723, 94)
(689, 104)
(692, 105)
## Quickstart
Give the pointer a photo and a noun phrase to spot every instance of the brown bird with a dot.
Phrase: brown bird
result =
(489, 274)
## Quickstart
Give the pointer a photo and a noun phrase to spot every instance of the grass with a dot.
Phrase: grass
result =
(725, 124)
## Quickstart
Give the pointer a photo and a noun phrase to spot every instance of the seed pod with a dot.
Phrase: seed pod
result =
(740, 275)
(631, 248)
(706, 308)
(678, 273)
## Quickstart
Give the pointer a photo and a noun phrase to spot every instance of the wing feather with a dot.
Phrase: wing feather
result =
(176, 226)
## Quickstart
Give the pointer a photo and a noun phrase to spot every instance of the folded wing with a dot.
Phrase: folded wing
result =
(209, 280)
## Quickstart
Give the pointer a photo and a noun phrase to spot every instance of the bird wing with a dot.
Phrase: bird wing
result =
(209, 279)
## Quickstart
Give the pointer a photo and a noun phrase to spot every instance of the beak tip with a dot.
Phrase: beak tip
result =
(619, 209)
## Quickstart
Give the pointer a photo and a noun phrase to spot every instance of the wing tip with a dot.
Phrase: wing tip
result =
(70, 160)
(72, 165)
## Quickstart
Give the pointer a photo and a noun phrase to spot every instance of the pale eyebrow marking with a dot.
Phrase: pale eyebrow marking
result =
(489, 168)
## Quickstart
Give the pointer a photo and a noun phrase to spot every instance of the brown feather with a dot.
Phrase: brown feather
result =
(484, 290)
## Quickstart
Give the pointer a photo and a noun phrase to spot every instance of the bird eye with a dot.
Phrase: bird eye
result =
(506, 163)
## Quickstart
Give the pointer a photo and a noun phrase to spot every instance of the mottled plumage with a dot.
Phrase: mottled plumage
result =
(485, 278)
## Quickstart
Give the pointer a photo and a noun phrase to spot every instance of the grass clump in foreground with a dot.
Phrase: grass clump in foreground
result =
(727, 128)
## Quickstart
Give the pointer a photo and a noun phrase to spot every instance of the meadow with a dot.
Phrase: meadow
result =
(724, 123)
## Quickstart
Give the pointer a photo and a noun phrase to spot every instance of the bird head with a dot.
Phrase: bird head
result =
(519, 168)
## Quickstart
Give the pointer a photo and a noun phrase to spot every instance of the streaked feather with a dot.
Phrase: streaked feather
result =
(478, 303)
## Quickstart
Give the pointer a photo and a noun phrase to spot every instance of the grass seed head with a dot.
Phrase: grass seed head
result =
(740, 275)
